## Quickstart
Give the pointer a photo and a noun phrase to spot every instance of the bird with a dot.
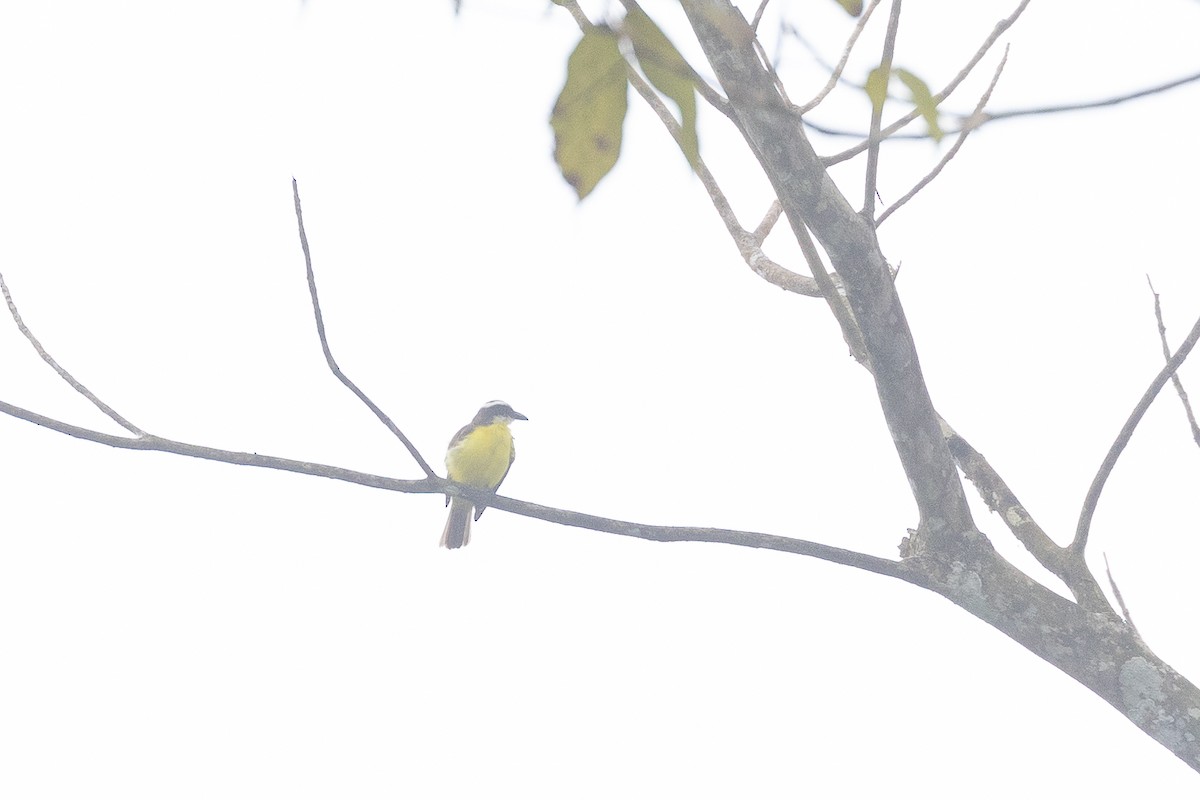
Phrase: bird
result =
(479, 455)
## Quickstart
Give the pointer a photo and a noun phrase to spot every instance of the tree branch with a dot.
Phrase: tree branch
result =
(768, 222)
(836, 301)
(437, 485)
(333, 366)
(999, 29)
(835, 74)
(1166, 348)
(1117, 594)
(762, 7)
(749, 244)
(159, 444)
(1100, 651)
(711, 96)
(665, 533)
(972, 122)
(1102, 103)
(1118, 446)
(958, 143)
(885, 66)
(62, 373)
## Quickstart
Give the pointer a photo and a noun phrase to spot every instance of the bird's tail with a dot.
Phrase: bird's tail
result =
(458, 525)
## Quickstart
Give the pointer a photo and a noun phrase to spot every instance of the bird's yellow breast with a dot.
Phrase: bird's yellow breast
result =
(482, 457)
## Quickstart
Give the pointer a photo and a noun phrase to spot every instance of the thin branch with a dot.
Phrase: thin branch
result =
(1109, 101)
(958, 143)
(885, 66)
(787, 29)
(1114, 452)
(969, 122)
(758, 15)
(664, 533)
(581, 18)
(333, 366)
(768, 221)
(748, 244)
(840, 67)
(1120, 600)
(154, 443)
(62, 373)
(436, 485)
(769, 66)
(844, 133)
(1166, 348)
(999, 29)
(711, 95)
(834, 298)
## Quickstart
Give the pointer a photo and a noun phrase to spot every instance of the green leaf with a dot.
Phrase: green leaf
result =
(590, 111)
(923, 99)
(853, 7)
(877, 84)
(667, 70)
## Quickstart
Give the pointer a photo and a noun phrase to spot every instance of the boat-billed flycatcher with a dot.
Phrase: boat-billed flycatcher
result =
(479, 455)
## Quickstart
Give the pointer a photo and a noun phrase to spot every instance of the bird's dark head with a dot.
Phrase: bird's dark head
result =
(497, 411)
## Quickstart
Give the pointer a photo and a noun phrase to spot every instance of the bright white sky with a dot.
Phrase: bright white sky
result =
(179, 628)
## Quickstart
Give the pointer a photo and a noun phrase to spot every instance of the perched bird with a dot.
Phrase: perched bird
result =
(479, 455)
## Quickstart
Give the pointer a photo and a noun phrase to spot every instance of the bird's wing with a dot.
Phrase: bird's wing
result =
(454, 440)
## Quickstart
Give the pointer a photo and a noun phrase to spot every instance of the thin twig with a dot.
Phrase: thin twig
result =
(1001, 26)
(839, 68)
(769, 66)
(333, 366)
(1086, 104)
(1166, 348)
(150, 442)
(749, 246)
(758, 15)
(846, 133)
(581, 18)
(788, 29)
(1114, 452)
(958, 143)
(885, 66)
(837, 302)
(62, 373)
(994, 116)
(711, 95)
(1120, 600)
(768, 221)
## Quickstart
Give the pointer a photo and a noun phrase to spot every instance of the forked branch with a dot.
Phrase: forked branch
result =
(958, 143)
(1079, 544)
(998, 31)
(62, 373)
(873, 140)
(329, 359)
(1175, 379)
